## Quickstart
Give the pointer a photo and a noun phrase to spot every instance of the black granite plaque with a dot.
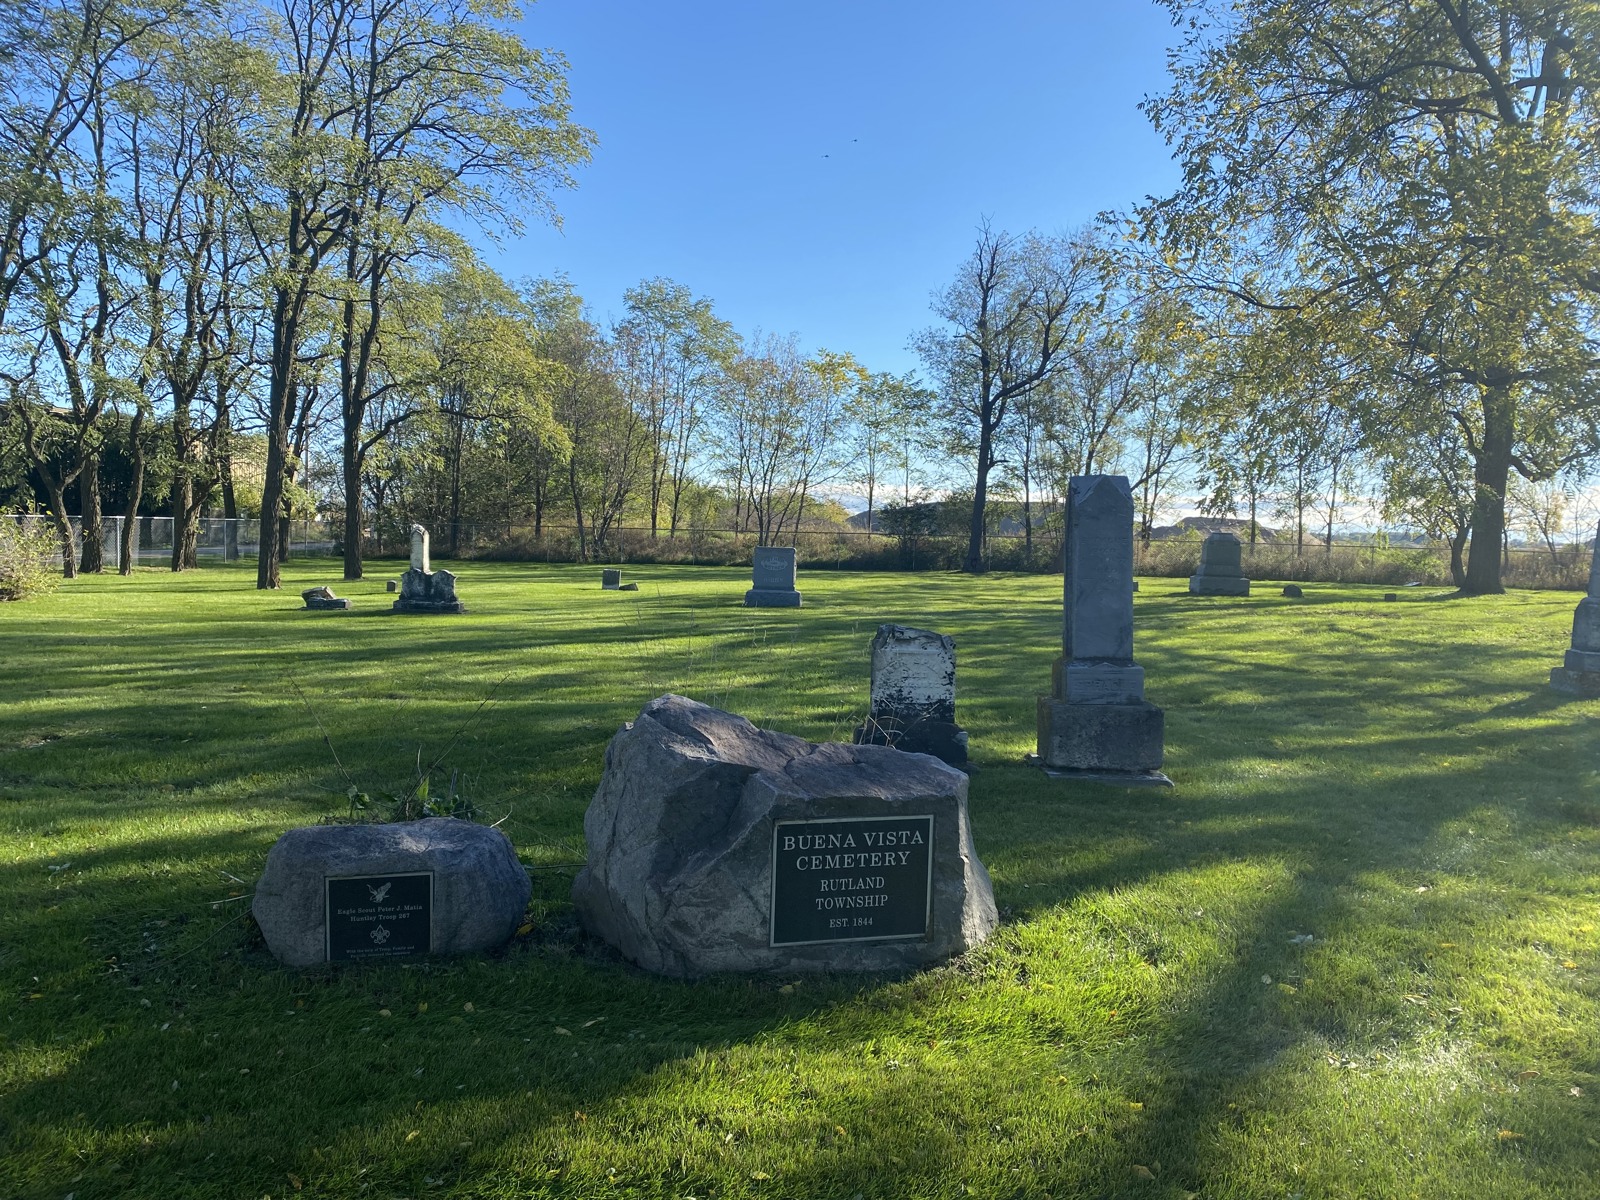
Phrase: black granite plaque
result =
(379, 916)
(851, 879)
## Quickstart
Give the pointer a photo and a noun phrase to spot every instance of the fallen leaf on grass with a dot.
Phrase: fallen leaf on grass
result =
(384, 1012)
(423, 1007)
(1140, 1172)
(467, 1007)
(1413, 998)
(576, 1116)
(1135, 1104)
(840, 1130)
(1505, 1135)
(1447, 945)
(595, 1021)
(563, 1032)
(1569, 964)
(1574, 1091)
(1423, 888)
(525, 929)
(759, 1175)
(295, 1180)
(413, 1135)
(1530, 1074)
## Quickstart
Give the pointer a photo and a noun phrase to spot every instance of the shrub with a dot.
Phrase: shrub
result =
(28, 558)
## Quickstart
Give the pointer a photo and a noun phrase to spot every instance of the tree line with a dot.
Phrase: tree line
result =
(238, 239)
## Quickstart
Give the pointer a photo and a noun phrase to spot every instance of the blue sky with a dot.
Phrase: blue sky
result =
(820, 168)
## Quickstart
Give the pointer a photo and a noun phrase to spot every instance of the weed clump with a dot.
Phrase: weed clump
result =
(27, 560)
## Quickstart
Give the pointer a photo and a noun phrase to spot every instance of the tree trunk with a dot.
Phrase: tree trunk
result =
(980, 494)
(93, 561)
(1458, 566)
(129, 550)
(183, 535)
(352, 502)
(1490, 474)
(58, 512)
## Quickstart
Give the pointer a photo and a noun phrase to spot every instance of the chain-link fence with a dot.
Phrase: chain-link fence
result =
(216, 539)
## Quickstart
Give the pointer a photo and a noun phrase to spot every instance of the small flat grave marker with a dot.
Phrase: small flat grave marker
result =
(379, 916)
(851, 879)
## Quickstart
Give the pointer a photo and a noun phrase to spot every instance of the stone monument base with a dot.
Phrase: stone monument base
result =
(1100, 737)
(945, 740)
(1218, 585)
(428, 592)
(1127, 779)
(1575, 683)
(771, 598)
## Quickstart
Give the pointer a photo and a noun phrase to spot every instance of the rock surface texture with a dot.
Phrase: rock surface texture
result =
(682, 849)
(480, 890)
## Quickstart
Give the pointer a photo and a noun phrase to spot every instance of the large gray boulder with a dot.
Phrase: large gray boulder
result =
(479, 890)
(702, 821)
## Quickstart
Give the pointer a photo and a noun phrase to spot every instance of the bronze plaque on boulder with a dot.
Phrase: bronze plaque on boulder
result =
(379, 916)
(851, 879)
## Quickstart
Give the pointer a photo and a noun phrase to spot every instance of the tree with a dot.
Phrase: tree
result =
(1009, 320)
(1414, 180)
(884, 420)
(672, 349)
(398, 111)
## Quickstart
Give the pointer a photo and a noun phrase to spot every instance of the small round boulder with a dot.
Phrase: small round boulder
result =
(477, 896)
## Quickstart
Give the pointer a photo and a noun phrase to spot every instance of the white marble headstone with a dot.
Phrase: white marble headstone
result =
(419, 549)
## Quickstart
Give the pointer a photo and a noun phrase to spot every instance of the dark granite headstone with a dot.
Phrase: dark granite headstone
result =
(610, 580)
(319, 598)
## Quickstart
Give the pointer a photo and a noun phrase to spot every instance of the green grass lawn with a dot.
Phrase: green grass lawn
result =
(1393, 781)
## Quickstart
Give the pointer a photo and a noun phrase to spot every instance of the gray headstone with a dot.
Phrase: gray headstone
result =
(419, 550)
(717, 846)
(913, 697)
(392, 585)
(1220, 573)
(428, 592)
(323, 598)
(1579, 673)
(1293, 590)
(610, 580)
(772, 578)
(465, 877)
(1096, 718)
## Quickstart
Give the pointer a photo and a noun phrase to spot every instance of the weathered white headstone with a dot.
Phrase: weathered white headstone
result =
(419, 549)
(772, 578)
(1579, 674)
(717, 846)
(1096, 720)
(1221, 572)
(913, 700)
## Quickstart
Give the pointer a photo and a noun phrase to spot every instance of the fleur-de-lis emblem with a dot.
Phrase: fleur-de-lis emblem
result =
(378, 893)
(380, 935)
